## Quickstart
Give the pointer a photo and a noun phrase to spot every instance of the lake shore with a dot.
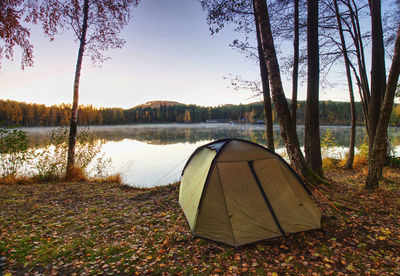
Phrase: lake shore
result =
(93, 228)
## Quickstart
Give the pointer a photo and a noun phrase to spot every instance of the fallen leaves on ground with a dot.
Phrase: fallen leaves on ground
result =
(89, 228)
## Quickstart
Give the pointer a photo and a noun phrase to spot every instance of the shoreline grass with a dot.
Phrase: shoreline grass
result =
(84, 228)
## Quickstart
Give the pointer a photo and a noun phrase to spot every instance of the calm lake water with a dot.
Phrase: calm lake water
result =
(152, 155)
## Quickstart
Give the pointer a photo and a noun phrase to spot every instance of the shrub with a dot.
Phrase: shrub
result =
(14, 152)
(328, 141)
(51, 162)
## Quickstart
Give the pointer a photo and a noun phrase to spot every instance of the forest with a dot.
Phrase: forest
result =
(14, 113)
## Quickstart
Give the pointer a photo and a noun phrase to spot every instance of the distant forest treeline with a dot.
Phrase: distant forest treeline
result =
(29, 114)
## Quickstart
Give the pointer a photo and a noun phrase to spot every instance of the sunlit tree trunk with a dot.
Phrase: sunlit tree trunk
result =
(75, 103)
(377, 155)
(312, 143)
(287, 128)
(269, 132)
(350, 157)
(296, 54)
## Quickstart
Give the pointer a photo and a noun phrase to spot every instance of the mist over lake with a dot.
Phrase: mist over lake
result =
(154, 154)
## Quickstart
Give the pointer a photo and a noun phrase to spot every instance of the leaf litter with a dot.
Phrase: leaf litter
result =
(111, 229)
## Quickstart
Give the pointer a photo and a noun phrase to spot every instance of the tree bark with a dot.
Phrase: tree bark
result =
(377, 155)
(358, 43)
(378, 75)
(296, 54)
(75, 102)
(350, 157)
(312, 142)
(288, 131)
(266, 93)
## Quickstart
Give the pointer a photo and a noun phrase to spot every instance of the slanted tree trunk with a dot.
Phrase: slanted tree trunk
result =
(350, 157)
(362, 78)
(312, 142)
(75, 103)
(288, 131)
(296, 54)
(269, 132)
(378, 75)
(377, 155)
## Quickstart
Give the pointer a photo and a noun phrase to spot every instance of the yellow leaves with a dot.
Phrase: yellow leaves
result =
(232, 268)
(386, 231)
(274, 274)
(381, 238)
(149, 257)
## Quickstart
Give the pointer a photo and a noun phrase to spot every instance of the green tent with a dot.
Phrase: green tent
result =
(238, 192)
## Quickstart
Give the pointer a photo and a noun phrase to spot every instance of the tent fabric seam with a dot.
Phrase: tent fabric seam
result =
(250, 163)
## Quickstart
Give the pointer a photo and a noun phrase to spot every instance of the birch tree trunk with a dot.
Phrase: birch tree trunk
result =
(75, 103)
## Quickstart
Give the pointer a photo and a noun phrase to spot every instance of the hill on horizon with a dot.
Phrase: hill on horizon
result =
(157, 104)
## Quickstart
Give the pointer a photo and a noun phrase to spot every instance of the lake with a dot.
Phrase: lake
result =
(154, 154)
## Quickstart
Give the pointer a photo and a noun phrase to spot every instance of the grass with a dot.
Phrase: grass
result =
(108, 228)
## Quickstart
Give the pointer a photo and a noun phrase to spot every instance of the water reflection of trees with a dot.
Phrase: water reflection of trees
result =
(192, 133)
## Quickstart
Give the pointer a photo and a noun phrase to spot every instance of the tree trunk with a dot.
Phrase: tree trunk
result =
(288, 131)
(269, 132)
(350, 157)
(378, 75)
(312, 142)
(75, 103)
(296, 54)
(377, 154)
(358, 43)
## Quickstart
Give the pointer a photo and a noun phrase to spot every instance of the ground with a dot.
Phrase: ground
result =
(112, 229)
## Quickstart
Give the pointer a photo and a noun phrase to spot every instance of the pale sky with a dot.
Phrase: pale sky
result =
(169, 55)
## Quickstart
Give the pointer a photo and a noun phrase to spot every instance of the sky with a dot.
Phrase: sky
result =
(169, 54)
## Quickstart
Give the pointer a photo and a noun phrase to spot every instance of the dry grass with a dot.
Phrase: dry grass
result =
(359, 163)
(330, 163)
(75, 174)
(115, 178)
(12, 179)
